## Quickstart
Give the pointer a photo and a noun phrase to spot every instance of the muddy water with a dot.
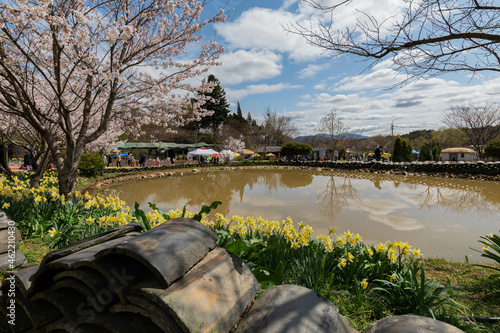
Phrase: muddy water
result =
(442, 217)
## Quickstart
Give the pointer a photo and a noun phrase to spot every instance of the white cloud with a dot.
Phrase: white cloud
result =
(312, 69)
(263, 28)
(379, 79)
(242, 65)
(258, 89)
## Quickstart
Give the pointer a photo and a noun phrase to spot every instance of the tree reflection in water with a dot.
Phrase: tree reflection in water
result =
(335, 198)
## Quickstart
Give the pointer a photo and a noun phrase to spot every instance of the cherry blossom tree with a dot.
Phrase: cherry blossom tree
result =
(17, 131)
(81, 65)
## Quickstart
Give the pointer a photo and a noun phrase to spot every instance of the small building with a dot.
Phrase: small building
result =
(458, 154)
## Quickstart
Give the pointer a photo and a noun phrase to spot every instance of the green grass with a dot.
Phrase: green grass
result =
(34, 249)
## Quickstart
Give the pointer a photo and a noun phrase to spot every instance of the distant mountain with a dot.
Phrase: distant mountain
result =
(326, 136)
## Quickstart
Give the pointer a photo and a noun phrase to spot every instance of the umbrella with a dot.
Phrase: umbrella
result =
(235, 154)
(270, 155)
(256, 155)
(215, 155)
(247, 152)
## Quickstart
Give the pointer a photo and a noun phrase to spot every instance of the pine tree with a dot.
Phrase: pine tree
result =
(218, 105)
(239, 114)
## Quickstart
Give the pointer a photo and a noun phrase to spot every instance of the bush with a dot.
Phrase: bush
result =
(492, 148)
(291, 149)
(91, 165)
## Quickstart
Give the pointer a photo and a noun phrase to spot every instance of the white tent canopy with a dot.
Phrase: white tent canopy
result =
(202, 152)
(226, 154)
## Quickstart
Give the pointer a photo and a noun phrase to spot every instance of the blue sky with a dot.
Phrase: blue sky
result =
(266, 67)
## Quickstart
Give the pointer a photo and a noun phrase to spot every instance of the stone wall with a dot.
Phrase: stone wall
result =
(474, 170)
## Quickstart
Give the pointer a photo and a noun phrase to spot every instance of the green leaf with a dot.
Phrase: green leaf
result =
(141, 217)
(206, 209)
(238, 248)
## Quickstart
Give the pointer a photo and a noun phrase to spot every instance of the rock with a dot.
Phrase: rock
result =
(411, 324)
(293, 309)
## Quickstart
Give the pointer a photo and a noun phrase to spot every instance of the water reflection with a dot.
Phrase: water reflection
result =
(443, 217)
(336, 196)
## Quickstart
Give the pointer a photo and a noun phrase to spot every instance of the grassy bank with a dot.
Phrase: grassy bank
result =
(479, 288)
(361, 280)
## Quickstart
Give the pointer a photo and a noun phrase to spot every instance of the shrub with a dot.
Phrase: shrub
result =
(492, 148)
(291, 149)
(91, 165)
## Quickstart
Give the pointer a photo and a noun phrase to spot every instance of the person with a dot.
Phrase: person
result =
(110, 160)
(31, 159)
(27, 163)
(378, 153)
(118, 160)
(157, 161)
(172, 161)
(142, 161)
(129, 159)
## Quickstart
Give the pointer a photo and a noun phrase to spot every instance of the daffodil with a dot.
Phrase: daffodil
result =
(5, 205)
(52, 232)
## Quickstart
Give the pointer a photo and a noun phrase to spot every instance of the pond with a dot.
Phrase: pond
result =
(441, 217)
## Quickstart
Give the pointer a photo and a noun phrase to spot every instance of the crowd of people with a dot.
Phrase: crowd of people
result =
(132, 161)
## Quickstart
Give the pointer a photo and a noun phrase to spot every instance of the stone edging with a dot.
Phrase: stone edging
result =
(489, 172)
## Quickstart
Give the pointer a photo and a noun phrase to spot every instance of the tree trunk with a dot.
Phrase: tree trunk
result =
(4, 160)
(67, 182)
(40, 163)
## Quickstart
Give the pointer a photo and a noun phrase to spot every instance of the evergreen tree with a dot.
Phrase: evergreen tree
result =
(430, 151)
(397, 153)
(425, 153)
(239, 114)
(218, 105)
(436, 151)
(407, 152)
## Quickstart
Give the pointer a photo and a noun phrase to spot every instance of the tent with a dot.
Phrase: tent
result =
(202, 152)
(227, 155)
